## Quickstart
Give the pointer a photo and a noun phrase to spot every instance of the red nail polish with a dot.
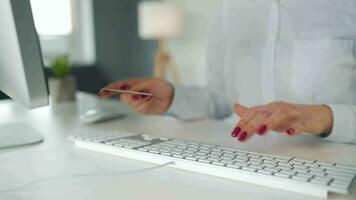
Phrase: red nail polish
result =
(236, 132)
(136, 97)
(290, 131)
(242, 136)
(262, 130)
(125, 87)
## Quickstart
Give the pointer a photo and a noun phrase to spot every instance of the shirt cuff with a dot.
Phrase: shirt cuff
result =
(343, 126)
(176, 108)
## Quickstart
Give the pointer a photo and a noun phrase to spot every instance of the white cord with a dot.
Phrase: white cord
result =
(83, 175)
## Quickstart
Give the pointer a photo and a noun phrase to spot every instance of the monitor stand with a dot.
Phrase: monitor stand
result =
(16, 135)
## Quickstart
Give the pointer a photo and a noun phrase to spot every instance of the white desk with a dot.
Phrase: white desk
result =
(58, 157)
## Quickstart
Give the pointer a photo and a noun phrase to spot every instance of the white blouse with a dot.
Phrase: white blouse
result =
(300, 51)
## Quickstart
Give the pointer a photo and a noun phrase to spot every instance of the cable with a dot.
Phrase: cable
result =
(82, 175)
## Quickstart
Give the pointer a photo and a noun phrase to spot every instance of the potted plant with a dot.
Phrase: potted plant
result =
(62, 86)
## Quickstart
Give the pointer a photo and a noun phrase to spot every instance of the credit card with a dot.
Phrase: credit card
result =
(126, 91)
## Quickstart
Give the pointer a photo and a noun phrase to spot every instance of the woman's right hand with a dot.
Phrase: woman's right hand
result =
(159, 102)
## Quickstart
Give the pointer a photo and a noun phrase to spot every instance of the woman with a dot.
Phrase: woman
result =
(290, 65)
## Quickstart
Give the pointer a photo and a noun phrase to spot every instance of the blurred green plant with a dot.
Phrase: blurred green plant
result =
(61, 67)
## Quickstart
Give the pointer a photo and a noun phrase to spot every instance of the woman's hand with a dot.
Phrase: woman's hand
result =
(291, 119)
(159, 102)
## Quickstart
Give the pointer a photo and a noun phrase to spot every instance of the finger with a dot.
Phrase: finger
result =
(240, 109)
(132, 100)
(276, 121)
(122, 85)
(136, 100)
(244, 125)
(295, 129)
(142, 87)
(126, 98)
(105, 93)
(144, 107)
(241, 124)
(257, 124)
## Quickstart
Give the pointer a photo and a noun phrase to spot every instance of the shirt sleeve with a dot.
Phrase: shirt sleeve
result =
(344, 124)
(210, 101)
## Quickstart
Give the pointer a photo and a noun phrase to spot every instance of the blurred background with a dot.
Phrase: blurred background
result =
(103, 44)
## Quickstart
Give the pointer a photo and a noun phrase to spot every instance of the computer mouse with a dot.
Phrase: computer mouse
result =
(99, 115)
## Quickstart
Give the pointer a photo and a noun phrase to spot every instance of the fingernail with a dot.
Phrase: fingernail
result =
(236, 132)
(125, 87)
(136, 97)
(262, 130)
(242, 136)
(290, 131)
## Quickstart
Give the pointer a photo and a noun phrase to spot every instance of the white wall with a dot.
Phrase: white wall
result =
(189, 49)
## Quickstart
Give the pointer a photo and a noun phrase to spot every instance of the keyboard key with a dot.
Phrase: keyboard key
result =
(340, 184)
(255, 166)
(347, 167)
(271, 162)
(280, 159)
(240, 160)
(204, 149)
(227, 161)
(284, 168)
(218, 163)
(339, 173)
(256, 160)
(214, 156)
(177, 156)
(213, 159)
(299, 178)
(338, 177)
(271, 169)
(201, 156)
(204, 160)
(255, 163)
(154, 151)
(164, 138)
(287, 172)
(248, 169)
(278, 174)
(262, 171)
(322, 164)
(297, 161)
(234, 166)
(191, 158)
(143, 149)
(321, 180)
(318, 173)
(304, 175)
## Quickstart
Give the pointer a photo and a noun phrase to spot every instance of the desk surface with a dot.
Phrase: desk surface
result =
(57, 157)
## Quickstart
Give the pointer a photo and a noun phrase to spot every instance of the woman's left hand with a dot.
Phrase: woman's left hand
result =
(290, 119)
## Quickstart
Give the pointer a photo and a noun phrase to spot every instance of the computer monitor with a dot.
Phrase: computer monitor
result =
(21, 68)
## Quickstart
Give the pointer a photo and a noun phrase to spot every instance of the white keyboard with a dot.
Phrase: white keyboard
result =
(287, 173)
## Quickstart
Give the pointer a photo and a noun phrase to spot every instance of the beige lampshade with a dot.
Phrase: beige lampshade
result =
(158, 19)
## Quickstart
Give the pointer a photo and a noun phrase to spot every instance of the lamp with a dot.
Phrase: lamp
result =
(160, 20)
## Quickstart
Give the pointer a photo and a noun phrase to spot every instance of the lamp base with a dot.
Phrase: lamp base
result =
(164, 61)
